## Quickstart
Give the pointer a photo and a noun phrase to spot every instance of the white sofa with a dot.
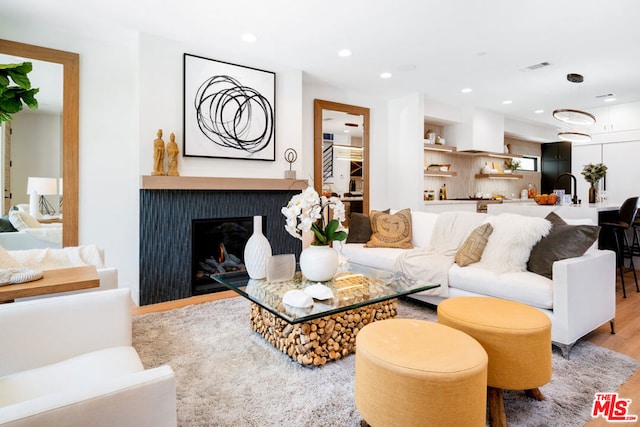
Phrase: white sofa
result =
(579, 299)
(68, 361)
(51, 258)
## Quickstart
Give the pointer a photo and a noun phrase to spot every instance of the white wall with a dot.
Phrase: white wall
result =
(161, 87)
(404, 151)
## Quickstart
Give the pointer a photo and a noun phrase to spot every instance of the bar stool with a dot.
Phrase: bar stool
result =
(626, 219)
(635, 244)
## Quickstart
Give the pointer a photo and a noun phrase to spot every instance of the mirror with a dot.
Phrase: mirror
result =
(341, 153)
(70, 90)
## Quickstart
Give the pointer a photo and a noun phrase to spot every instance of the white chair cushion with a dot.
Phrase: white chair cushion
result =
(525, 287)
(78, 372)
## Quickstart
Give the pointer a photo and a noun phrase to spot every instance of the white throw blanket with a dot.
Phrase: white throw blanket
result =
(433, 262)
(51, 259)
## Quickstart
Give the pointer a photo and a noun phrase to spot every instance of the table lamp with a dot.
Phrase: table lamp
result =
(37, 187)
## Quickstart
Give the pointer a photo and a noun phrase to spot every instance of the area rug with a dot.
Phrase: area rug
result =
(227, 375)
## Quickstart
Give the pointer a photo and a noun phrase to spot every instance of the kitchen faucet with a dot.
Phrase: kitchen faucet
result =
(574, 199)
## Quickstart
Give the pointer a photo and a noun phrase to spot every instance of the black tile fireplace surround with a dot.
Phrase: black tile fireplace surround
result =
(165, 232)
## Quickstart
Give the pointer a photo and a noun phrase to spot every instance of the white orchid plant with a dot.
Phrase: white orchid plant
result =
(306, 212)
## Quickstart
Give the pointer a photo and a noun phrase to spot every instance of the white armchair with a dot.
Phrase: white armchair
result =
(68, 361)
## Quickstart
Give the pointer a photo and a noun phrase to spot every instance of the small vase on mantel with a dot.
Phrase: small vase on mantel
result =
(593, 193)
(319, 263)
(257, 251)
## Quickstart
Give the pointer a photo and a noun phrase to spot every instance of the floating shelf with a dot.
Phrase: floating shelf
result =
(436, 147)
(498, 176)
(446, 174)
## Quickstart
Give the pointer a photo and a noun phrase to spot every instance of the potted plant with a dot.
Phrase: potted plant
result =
(13, 96)
(511, 165)
(309, 212)
(592, 174)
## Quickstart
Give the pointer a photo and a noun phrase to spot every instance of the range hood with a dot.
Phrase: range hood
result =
(481, 132)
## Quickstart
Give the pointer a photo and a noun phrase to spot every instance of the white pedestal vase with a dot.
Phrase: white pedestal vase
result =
(319, 263)
(257, 251)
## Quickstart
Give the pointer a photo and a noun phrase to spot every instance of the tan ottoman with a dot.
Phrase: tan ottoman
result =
(418, 373)
(517, 339)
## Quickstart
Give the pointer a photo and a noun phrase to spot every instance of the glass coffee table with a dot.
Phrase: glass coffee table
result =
(327, 330)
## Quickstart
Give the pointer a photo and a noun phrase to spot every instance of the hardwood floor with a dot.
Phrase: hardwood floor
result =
(626, 339)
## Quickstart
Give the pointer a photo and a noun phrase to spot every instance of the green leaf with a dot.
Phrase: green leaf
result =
(331, 228)
(340, 235)
(28, 98)
(320, 237)
(20, 79)
(4, 117)
(10, 106)
(4, 80)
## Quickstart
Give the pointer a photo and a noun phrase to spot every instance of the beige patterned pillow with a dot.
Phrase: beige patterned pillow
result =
(390, 230)
(471, 250)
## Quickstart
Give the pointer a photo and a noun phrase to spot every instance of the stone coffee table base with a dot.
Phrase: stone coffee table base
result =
(321, 340)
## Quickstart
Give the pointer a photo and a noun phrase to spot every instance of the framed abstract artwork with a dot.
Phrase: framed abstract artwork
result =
(229, 110)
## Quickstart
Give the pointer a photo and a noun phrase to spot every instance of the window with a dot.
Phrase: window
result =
(529, 163)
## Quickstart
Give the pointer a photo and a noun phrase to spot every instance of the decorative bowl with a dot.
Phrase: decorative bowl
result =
(546, 199)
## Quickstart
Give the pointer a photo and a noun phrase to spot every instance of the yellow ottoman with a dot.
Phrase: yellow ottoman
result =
(419, 373)
(516, 337)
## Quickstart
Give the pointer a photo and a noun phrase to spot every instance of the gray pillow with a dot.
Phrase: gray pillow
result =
(360, 227)
(5, 225)
(563, 241)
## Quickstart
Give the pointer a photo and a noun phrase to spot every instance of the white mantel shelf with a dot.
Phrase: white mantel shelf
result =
(211, 183)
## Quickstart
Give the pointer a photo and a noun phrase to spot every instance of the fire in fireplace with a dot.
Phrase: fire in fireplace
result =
(217, 247)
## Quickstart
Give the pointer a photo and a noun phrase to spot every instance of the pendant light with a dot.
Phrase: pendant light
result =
(574, 117)
(574, 136)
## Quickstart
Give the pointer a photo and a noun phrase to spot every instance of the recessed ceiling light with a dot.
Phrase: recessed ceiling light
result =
(249, 38)
(347, 131)
(344, 53)
(507, 102)
(466, 90)
(385, 75)
(539, 111)
(610, 99)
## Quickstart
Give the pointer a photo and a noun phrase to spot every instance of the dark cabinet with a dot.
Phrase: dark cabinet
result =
(556, 160)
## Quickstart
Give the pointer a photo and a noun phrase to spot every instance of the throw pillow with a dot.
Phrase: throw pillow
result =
(5, 225)
(360, 227)
(472, 248)
(390, 230)
(510, 244)
(21, 220)
(564, 241)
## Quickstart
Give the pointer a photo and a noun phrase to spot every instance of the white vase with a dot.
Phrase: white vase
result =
(319, 263)
(257, 251)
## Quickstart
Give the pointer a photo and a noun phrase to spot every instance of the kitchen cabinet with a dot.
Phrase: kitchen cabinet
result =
(555, 160)
(616, 118)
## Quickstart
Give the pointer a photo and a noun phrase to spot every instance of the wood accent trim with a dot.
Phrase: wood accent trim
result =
(53, 281)
(172, 305)
(211, 183)
(70, 119)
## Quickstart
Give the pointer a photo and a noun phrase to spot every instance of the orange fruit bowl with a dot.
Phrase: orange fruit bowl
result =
(546, 199)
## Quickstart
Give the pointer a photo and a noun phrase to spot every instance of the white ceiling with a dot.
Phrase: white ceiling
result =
(435, 47)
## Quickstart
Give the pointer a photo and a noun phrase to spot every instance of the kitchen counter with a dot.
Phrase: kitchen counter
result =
(584, 211)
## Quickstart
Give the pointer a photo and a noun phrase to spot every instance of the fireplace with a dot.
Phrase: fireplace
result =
(217, 246)
(169, 206)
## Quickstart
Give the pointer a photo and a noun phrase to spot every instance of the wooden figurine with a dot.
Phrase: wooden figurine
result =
(172, 156)
(158, 155)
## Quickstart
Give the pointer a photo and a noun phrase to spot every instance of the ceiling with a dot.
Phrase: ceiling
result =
(435, 47)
